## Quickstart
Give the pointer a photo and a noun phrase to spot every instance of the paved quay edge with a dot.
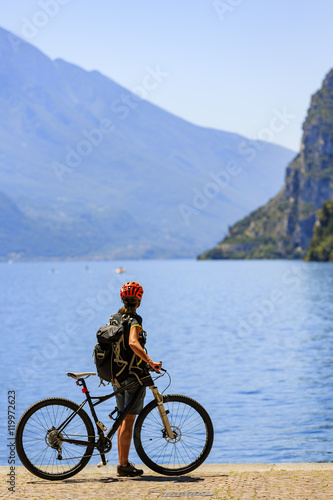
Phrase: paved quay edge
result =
(242, 481)
(218, 468)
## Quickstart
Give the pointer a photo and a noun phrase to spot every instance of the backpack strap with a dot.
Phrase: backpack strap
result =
(117, 356)
(118, 317)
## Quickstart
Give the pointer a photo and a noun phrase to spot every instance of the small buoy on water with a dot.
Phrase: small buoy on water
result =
(119, 270)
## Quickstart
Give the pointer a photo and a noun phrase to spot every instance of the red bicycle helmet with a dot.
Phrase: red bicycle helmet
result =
(131, 290)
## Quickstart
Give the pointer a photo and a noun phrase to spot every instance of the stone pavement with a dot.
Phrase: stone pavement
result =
(210, 481)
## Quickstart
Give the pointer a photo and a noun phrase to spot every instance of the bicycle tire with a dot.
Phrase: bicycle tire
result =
(36, 434)
(194, 436)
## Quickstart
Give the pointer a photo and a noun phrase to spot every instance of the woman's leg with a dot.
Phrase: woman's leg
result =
(124, 438)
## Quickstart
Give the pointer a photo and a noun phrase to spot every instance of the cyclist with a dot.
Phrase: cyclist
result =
(131, 295)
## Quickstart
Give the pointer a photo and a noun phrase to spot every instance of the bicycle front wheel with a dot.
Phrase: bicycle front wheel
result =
(193, 436)
(40, 444)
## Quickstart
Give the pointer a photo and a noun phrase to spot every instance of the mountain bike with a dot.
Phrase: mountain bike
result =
(55, 437)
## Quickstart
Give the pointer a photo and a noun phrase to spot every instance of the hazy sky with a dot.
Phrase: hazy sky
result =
(235, 65)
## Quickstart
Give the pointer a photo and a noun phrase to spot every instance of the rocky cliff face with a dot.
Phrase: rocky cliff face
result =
(283, 227)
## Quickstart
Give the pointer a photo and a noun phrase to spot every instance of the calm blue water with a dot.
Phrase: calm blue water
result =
(251, 340)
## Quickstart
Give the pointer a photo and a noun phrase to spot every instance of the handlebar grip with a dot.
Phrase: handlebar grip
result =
(162, 369)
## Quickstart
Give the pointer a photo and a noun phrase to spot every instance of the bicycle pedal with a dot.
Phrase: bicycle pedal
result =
(100, 464)
(101, 426)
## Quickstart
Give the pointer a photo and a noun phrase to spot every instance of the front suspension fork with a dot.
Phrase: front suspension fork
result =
(162, 412)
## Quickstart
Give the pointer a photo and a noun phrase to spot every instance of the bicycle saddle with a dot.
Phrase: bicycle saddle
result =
(80, 375)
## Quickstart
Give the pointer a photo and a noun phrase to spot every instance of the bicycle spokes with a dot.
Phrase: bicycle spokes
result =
(191, 441)
(45, 450)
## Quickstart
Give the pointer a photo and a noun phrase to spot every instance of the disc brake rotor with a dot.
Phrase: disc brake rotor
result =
(177, 435)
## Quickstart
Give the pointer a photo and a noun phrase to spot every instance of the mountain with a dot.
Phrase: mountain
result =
(321, 245)
(92, 170)
(284, 226)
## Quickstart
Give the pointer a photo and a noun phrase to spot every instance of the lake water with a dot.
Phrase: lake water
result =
(250, 340)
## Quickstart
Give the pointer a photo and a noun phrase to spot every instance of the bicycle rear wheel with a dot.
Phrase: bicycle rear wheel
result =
(39, 444)
(193, 431)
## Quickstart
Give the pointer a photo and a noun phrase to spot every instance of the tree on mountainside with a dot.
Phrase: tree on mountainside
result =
(321, 245)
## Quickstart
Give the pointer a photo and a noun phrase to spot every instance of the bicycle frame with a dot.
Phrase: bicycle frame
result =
(103, 443)
(56, 437)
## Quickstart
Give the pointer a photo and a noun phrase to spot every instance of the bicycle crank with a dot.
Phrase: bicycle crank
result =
(105, 445)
